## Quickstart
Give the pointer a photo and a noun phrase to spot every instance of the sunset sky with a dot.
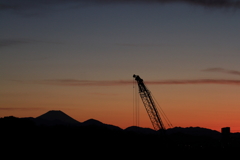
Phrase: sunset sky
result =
(79, 56)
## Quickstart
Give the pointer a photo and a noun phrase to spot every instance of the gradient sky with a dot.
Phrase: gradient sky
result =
(79, 56)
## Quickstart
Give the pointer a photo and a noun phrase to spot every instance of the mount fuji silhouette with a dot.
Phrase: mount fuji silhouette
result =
(59, 118)
(55, 117)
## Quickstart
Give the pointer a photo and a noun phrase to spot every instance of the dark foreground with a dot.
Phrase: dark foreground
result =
(22, 137)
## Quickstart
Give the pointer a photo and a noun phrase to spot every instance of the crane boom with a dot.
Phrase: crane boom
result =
(149, 104)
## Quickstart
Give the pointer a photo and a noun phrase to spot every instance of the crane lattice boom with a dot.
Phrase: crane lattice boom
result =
(149, 104)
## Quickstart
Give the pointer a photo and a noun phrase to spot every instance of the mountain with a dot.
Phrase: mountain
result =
(96, 133)
(140, 130)
(55, 117)
(196, 131)
(96, 123)
(193, 131)
(92, 122)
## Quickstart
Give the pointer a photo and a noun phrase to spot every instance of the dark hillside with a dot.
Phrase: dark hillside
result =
(23, 134)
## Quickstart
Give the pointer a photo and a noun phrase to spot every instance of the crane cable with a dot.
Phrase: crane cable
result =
(136, 108)
(163, 113)
(164, 116)
(133, 102)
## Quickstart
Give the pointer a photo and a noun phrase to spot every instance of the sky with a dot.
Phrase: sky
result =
(79, 56)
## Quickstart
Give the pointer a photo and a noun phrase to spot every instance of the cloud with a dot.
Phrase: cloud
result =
(103, 94)
(222, 70)
(197, 81)
(33, 7)
(75, 82)
(214, 3)
(21, 109)
(140, 45)
(13, 42)
(29, 8)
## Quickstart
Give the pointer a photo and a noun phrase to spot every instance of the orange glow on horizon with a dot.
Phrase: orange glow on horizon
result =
(204, 106)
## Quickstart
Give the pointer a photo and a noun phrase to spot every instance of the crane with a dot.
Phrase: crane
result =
(149, 104)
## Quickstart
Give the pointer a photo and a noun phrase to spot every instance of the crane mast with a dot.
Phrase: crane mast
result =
(149, 104)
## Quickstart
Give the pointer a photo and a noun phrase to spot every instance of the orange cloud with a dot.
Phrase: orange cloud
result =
(103, 94)
(222, 70)
(198, 81)
(75, 82)
(15, 108)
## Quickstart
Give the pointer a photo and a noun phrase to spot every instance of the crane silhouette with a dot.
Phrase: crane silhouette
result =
(150, 105)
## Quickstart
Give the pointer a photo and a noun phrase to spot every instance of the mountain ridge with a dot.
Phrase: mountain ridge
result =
(57, 128)
(57, 117)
